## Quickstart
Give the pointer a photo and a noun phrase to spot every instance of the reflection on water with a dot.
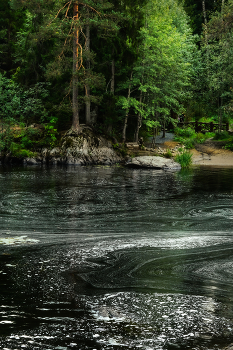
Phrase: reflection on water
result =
(112, 258)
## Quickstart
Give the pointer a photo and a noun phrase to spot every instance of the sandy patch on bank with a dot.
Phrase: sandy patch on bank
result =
(211, 156)
(209, 153)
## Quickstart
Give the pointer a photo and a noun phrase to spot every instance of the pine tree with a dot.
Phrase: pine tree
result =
(55, 43)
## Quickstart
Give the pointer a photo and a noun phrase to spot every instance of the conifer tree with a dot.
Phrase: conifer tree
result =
(61, 26)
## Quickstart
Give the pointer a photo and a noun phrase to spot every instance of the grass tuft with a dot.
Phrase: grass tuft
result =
(184, 158)
(168, 153)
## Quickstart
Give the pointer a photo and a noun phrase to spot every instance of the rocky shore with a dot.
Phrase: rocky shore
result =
(77, 148)
(88, 148)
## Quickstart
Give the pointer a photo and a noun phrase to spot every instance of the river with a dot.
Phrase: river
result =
(114, 258)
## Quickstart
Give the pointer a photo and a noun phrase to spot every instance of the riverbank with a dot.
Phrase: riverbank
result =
(209, 153)
(83, 147)
(219, 157)
(89, 148)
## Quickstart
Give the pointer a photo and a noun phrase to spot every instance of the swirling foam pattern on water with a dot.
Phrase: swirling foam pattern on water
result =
(195, 319)
(119, 259)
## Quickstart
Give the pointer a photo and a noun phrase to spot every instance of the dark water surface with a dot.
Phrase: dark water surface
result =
(113, 258)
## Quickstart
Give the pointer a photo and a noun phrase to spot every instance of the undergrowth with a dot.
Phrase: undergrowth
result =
(19, 152)
(226, 138)
(120, 148)
(188, 137)
(22, 141)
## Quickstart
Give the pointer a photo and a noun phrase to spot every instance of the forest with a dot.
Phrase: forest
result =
(125, 68)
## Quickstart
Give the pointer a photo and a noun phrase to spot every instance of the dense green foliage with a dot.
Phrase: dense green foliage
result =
(125, 67)
(188, 137)
(212, 86)
(225, 139)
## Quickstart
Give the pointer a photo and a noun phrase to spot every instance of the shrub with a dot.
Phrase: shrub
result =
(199, 137)
(185, 137)
(189, 143)
(225, 138)
(189, 138)
(229, 145)
(209, 135)
(29, 137)
(223, 135)
(50, 136)
(19, 152)
(186, 132)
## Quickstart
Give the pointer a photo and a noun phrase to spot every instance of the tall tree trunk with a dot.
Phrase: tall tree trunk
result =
(205, 19)
(9, 55)
(164, 127)
(88, 102)
(112, 88)
(206, 37)
(223, 2)
(204, 11)
(139, 120)
(75, 122)
(127, 111)
(218, 114)
(220, 121)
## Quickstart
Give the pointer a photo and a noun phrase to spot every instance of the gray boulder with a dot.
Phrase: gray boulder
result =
(32, 161)
(85, 147)
(154, 163)
(82, 147)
